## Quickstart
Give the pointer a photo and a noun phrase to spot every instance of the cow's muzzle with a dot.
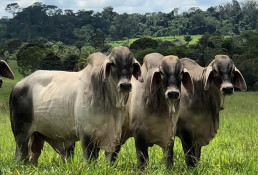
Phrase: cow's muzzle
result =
(227, 89)
(126, 86)
(172, 94)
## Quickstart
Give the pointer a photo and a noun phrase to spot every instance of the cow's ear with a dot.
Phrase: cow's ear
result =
(239, 80)
(5, 70)
(188, 82)
(206, 77)
(106, 69)
(137, 71)
(155, 81)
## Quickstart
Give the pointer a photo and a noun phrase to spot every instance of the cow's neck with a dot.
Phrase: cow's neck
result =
(157, 102)
(112, 95)
(216, 98)
(216, 101)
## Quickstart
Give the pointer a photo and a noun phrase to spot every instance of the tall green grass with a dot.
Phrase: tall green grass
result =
(233, 151)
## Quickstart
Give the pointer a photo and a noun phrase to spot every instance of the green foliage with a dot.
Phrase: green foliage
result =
(13, 45)
(143, 43)
(84, 33)
(47, 21)
(70, 62)
(79, 45)
(97, 40)
(181, 52)
(166, 44)
(188, 38)
(106, 48)
(51, 62)
(29, 57)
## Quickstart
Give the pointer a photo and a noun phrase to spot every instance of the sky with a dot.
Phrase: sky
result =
(120, 6)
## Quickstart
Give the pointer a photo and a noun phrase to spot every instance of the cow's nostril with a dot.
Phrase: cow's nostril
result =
(125, 86)
(228, 90)
(173, 95)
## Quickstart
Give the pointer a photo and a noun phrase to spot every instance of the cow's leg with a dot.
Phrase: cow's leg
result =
(69, 152)
(90, 149)
(113, 156)
(66, 151)
(170, 155)
(21, 120)
(141, 151)
(22, 149)
(191, 149)
(35, 146)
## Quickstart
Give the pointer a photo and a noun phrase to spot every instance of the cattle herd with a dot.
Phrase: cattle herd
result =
(114, 98)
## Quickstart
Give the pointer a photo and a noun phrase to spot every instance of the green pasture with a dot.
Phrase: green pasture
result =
(234, 150)
(165, 38)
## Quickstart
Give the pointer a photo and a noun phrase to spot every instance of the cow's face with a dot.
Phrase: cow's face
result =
(169, 76)
(5, 71)
(223, 73)
(120, 66)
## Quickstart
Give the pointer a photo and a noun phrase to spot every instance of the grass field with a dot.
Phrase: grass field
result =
(167, 38)
(233, 151)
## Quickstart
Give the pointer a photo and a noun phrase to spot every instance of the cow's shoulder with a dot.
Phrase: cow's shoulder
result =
(195, 70)
(189, 64)
(152, 60)
(96, 59)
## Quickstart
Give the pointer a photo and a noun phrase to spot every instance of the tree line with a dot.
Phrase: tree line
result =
(53, 23)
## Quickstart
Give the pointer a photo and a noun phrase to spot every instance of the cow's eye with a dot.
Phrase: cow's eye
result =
(162, 76)
(215, 73)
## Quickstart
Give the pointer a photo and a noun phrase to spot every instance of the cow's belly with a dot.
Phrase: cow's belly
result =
(158, 130)
(202, 126)
(54, 119)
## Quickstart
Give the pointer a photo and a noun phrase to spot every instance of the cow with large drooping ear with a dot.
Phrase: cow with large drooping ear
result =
(5, 71)
(171, 78)
(155, 104)
(198, 121)
(223, 73)
(122, 62)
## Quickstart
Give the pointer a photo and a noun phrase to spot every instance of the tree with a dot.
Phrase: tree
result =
(13, 8)
(188, 39)
(84, 33)
(79, 45)
(98, 39)
(29, 57)
(70, 62)
(143, 43)
(13, 45)
(51, 62)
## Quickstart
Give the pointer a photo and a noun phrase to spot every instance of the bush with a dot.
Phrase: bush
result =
(29, 57)
(51, 62)
(70, 62)
(181, 52)
(143, 43)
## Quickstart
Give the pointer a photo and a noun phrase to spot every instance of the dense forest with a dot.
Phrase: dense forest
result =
(45, 37)
(52, 23)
